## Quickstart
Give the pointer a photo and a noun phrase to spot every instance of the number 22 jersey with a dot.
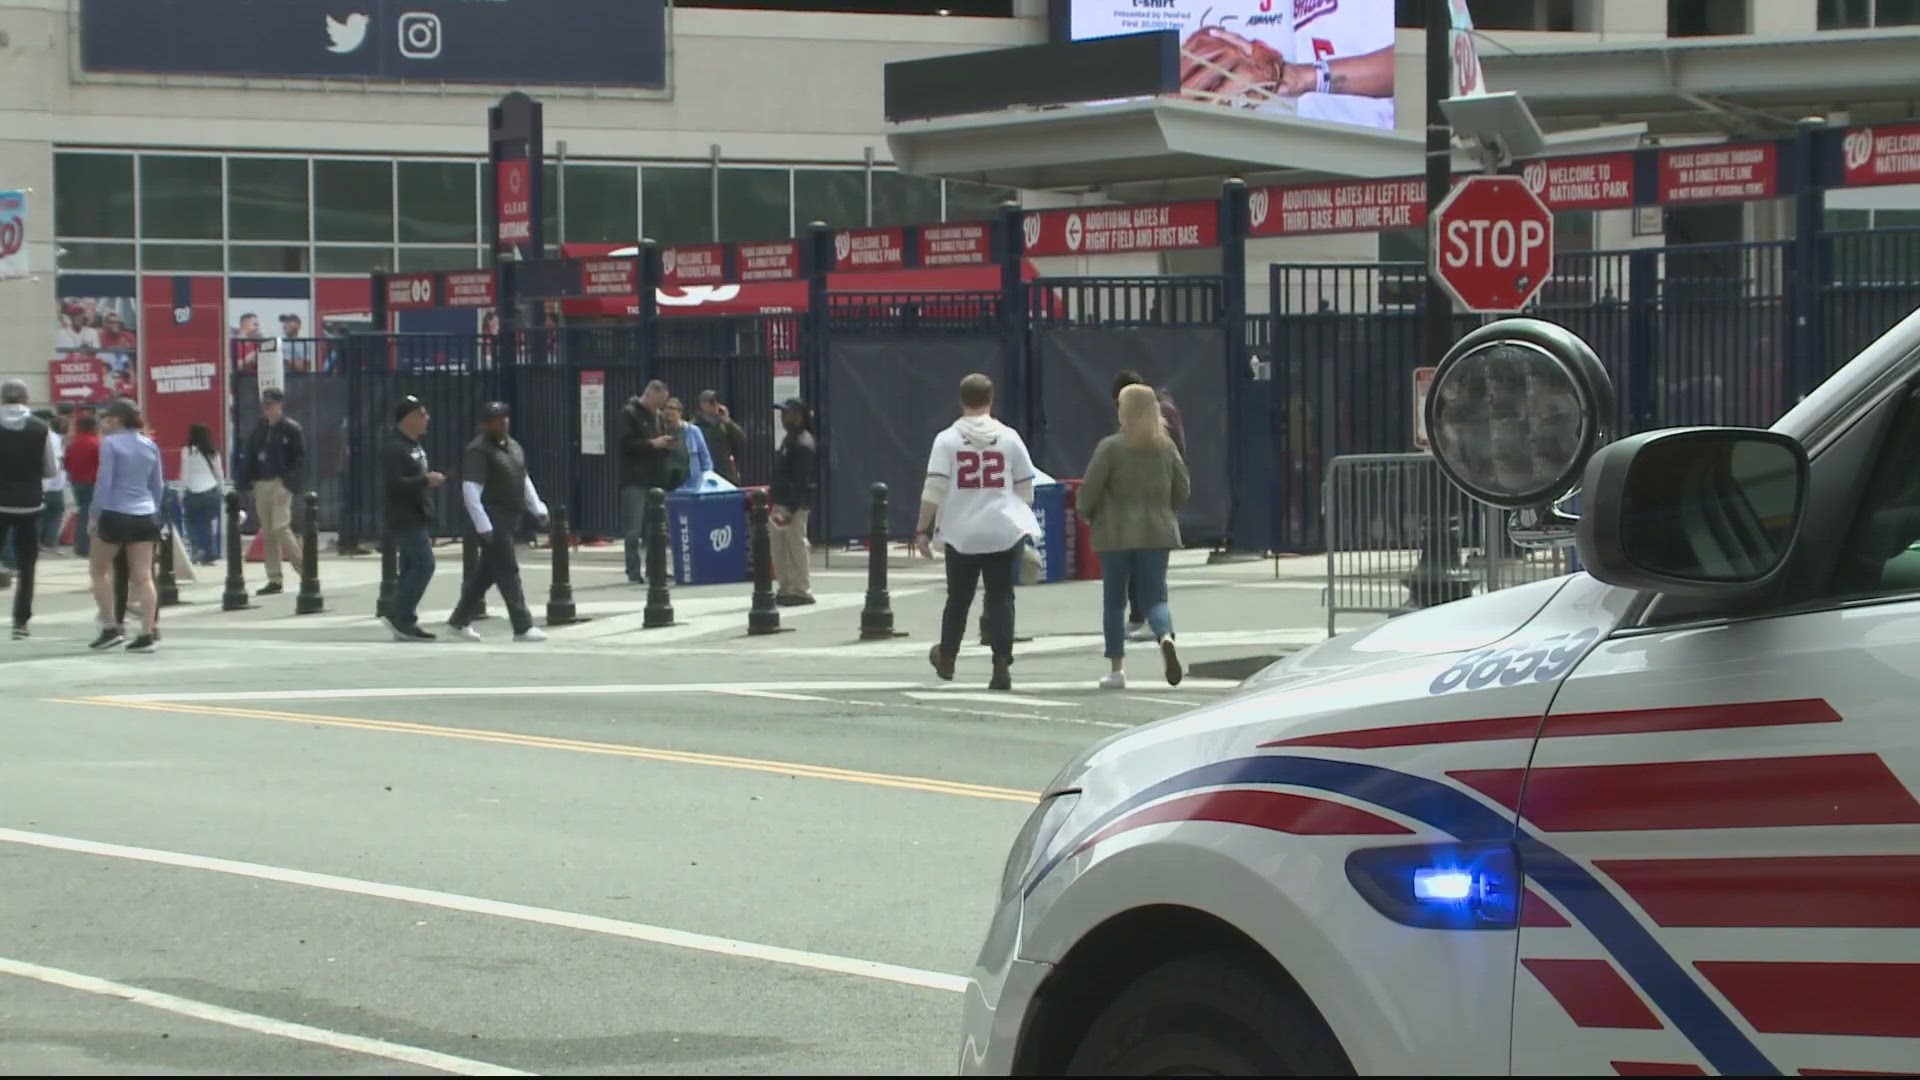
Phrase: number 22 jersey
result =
(983, 475)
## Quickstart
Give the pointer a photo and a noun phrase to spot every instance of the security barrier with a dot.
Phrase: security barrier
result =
(1401, 537)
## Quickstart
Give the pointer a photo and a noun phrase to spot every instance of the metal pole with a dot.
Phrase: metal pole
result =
(764, 616)
(876, 619)
(561, 610)
(1439, 310)
(659, 609)
(310, 602)
(234, 597)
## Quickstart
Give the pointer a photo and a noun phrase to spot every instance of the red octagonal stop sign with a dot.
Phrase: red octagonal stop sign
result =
(1493, 244)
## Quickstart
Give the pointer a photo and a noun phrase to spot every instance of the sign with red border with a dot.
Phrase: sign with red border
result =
(778, 260)
(411, 292)
(1112, 230)
(1729, 172)
(869, 249)
(609, 277)
(1356, 206)
(1882, 154)
(1590, 182)
(470, 289)
(694, 264)
(963, 244)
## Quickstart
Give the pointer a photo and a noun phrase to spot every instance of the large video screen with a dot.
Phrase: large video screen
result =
(511, 42)
(1317, 59)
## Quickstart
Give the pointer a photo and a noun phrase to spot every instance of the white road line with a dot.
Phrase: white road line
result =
(198, 1010)
(593, 924)
(1091, 685)
(374, 693)
(775, 696)
(990, 698)
(1158, 700)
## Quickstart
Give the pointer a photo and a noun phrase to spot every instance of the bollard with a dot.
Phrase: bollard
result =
(122, 578)
(764, 616)
(560, 606)
(1438, 578)
(876, 618)
(659, 610)
(234, 597)
(168, 589)
(310, 602)
(389, 573)
(470, 558)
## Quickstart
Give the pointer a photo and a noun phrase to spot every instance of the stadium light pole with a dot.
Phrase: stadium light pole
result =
(1439, 310)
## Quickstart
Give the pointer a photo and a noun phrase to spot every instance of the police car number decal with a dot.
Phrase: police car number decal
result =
(1541, 660)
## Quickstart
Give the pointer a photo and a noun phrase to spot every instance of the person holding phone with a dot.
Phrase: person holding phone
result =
(644, 443)
(726, 441)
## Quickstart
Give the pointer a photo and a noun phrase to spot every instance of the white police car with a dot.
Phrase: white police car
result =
(1657, 818)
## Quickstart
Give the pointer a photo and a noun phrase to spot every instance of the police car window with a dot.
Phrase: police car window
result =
(1882, 552)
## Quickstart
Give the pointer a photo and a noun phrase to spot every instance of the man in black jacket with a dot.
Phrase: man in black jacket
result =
(498, 494)
(644, 445)
(790, 496)
(27, 461)
(725, 439)
(409, 516)
(271, 466)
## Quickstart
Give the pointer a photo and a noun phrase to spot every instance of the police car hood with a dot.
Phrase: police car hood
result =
(1365, 678)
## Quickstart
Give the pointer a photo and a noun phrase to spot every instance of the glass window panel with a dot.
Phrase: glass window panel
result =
(351, 260)
(267, 199)
(754, 204)
(904, 200)
(677, 205)
(267, 258)
(181, 257)
(975, 202)
(1403, 245)
(603, 204)
(835, 196)
(438, 203)
(77, 256)
(1846, 219)
(180, 197)
(1896, 13)
(1831, 14)
(93, 194)
(421, 258)
(353, 200)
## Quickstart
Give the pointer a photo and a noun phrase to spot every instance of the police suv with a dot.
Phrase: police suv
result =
(1655, 818)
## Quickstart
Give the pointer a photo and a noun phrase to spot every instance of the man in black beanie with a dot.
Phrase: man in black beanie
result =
(410, 485)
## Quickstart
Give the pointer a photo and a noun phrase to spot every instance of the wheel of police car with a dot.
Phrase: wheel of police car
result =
(1215, 1014)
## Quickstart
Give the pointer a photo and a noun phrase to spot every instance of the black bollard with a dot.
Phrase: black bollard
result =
(310, 602)
(764, 616)
(389, 573)
(168, 585)
(1438, 578)
(659, 610)
(876, 618)
(560, 606)
(469, 559)
(234, 597)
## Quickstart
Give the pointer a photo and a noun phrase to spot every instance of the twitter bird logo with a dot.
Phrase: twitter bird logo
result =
(345, 37)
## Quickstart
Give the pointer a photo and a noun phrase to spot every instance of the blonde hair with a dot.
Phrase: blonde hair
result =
(1140, 421)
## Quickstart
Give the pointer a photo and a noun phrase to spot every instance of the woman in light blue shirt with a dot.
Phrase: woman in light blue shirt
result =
(126, 515)
(699, 458)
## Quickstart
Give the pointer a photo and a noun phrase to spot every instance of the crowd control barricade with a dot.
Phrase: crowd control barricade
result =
(1400, 536)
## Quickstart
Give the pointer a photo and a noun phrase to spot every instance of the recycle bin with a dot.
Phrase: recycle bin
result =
(1056, 540)
(707, 533)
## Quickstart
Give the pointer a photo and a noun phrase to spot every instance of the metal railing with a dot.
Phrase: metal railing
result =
(1401, 537)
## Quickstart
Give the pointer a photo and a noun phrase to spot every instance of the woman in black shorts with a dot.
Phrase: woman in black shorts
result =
(126, 518)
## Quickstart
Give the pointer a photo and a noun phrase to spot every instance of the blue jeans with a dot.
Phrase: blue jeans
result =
(414, 549)
(53, 512)
(1146, 569)
(82, 506)
(203, 524)
(634, 522)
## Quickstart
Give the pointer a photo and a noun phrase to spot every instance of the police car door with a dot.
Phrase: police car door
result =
(1721, 813)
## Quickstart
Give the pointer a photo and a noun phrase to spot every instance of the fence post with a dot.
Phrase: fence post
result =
(560, 606)
(815, 356)
(659, 610)
(1010, 247)
(469, 560)
(310, 602)
(389, 573)
(234, 597)
(1809, 362)
(764, 616)
(1234, 222)
(876, 619)
(168, 591)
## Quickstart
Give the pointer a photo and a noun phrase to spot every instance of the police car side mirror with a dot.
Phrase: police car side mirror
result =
(1516, 409)
(1693, 511)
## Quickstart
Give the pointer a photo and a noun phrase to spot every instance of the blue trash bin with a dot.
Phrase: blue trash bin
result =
(1055, 543)
(707, 531)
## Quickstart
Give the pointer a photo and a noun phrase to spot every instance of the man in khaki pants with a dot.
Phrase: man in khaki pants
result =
(790, 494)
(275, 454)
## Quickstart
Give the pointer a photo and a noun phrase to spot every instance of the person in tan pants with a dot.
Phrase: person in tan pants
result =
(790, 494)
(274, 456)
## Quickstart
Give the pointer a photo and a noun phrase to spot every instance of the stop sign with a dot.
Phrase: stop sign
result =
(1493, 244)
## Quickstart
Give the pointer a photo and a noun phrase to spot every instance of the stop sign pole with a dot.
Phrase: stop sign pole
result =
(1492, 244)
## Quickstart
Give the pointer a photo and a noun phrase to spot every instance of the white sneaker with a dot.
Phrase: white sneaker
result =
(1114, 680)
(1139, 632)
(533, 633)
(468, 633)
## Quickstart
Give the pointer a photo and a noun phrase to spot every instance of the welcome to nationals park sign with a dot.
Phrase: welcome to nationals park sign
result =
(1865, 156)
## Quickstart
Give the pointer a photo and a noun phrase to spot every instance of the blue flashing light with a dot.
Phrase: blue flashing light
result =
(1443, 885)
(1467, 886)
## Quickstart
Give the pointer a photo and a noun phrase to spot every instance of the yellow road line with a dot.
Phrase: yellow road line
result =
(544, 742)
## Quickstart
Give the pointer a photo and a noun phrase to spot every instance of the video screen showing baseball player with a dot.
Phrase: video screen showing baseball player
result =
(1326, 60)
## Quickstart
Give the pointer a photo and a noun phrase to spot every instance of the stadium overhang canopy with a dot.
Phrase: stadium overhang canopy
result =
(1164, 139)
(1734, 85)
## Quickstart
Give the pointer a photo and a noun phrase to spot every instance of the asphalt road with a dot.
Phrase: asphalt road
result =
(286, 844)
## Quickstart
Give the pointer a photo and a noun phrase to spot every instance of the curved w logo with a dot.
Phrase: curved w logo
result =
(721, 538)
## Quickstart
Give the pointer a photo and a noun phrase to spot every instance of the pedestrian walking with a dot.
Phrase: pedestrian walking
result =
(1133, 486)
(83, 468)
(271, 467)
(1137, 628)
(977, 506)
(791, 497)
(498, 495)
(53, 507)
(726, 441)
(643, 467)
(28, 459)
(126, 521)
(411, 483)
(205, 481)
(689, 460)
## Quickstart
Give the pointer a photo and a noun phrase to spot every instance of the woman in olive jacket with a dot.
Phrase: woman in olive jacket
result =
(1136, 481)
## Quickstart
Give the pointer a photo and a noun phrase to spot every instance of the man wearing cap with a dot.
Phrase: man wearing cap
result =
(409, 517)
(28, 458)
(270, 467)
(725, 440)
(790, 494)
(497, 492)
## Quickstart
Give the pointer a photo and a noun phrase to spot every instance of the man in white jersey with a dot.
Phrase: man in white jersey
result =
(978, 506)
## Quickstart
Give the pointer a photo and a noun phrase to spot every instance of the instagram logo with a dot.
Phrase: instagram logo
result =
(419, 35)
